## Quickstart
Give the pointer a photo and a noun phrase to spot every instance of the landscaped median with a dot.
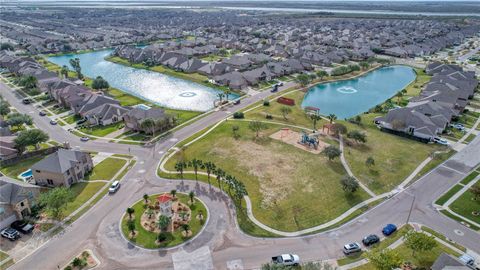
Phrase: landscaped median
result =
(164, 220)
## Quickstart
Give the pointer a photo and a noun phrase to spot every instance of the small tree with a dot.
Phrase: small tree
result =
(149, 212)
(64, 71)
(4, 108)
(419, 242)
(180, 167)
(285, 111)
(321, 74)
(256, 126)
(130, 211)
(55, 200)
(100, 83)
(186, 228)
(331, 152)
(235, 130)
(210, 168)
(303, 79)
(370, 162)
(30, 137)
(162, 237)
(338, 129)
(173, 192)
(349, 184)
(148, 126)
(18, 119)
(386, 259)
(357, 136)
(191, 194)
(475, 190)
(163, 222)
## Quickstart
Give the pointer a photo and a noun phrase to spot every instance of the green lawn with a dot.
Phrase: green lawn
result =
(14, 170)
(106, 169)
(470, 177)
(82, 192)
(101, 131)
(415, 87)
(71, 119)
(465, 205)
(441, 236)
(444, 198)
(421, 260)
(290, 189)
(470, 138)
(147, 239)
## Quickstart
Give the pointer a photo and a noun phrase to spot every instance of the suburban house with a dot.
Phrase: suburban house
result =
(443, 99)
(134, 118)
(7, 147)
(62, 168)
(105, 114)
(448, 262)
(16, 200)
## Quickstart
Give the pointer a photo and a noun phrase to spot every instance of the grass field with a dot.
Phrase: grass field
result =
(290, 189)
(82, 192)
(415, 87)
(106, 169)
(465, 205)
(147, 239)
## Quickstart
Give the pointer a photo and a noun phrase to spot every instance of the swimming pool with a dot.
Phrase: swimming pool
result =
(161, 89)
(351, 97)
(26, 174)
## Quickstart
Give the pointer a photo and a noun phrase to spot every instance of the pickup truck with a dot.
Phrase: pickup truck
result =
(286, 259)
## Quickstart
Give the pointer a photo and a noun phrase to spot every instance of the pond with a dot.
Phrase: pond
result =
(161, 89)
(351, 97)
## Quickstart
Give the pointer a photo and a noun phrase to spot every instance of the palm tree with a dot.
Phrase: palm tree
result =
(227, 92)
(315, 118)
(196, 163)
(191, 194)
(131, 226)
(145, 197)
(163, 222)
(220, 173)
(173, 192)
(149, 212)
(399, 95)
(209, 167)
(180, 166)
(130, 211)
(285, 111)
(332, 117)
(220, 97)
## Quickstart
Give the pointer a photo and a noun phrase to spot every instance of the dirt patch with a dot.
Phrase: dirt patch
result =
(293, 138)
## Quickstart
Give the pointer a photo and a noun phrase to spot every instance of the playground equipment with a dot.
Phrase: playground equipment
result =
(310, 140)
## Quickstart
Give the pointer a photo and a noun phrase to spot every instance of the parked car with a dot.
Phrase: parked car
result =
(458, 126)
(84, 139)
(370, 240)
(53, 122)
(351, 248)
(114, 187)
(22, 226)
(280, 84)
(26, 101)
(389, 229)
(236, 102)
(10, 234)
(42, 113)
(286, 259)
(468, 260)
(441, 141)
(81, 121)
(274, 89)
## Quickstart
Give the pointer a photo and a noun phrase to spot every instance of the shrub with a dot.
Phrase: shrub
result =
(67, 268)
(162, 237)
(266, 103)
(269, 116)
(238, 115)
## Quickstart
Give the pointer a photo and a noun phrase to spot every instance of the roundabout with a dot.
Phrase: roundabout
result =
(164, 220)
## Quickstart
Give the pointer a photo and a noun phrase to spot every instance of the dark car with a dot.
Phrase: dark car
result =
(22, 226)
(42, 113)
(26, 101)
(389, 229)
(236, 102)
(370, 240)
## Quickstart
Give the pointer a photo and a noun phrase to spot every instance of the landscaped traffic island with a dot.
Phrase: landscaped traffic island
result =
(164, 220)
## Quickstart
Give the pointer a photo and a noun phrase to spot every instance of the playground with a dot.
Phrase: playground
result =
(310, 142)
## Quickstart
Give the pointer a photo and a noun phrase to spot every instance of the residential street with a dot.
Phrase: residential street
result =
(98, 229)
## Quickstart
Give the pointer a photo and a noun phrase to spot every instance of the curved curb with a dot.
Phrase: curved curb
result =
(166, 248)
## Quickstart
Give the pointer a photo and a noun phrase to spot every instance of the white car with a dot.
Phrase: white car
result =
(114, 187)
(286, 259)
(441, 141)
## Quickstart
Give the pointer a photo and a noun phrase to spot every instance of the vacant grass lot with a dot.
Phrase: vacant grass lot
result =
(465, 205)
(81, 193)
(106, 169)
(290, 189)
(395, 157)
(147, 239)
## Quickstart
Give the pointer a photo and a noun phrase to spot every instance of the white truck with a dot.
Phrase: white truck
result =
(286, 259)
